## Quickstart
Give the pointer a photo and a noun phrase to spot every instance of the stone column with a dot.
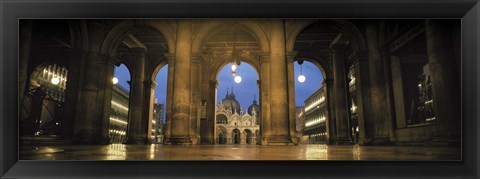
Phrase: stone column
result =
(339, 86)
(361, 77)
(265, 98)
(229, 138)
(331, 118)
(107, 64)
(279, 123)
(137, 95)
(291, 97)
(147, 113)
(243, 137)
(181, 85)
(72, 93)
(253, 140)
(445, 84)
(25, 36)
(87, 106)
(169, 102)
(327, 112)
(378, 122)
(208, 133)
(195, 105)
(396, 66)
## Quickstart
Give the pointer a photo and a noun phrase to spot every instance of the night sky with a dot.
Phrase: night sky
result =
(244, 91)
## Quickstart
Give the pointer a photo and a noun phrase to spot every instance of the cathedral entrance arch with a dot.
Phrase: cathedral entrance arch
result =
(249, 139)
(236, 136)
(222, 135)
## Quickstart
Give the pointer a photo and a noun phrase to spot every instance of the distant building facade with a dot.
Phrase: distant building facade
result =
(315, 116)
(299, 122)
(119, 114)
(232, 126)
(157, 123)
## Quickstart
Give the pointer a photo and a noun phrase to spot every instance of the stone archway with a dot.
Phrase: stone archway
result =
(127, 43)
(222, 135)
(236, 136)
(249, 136)
(216, 58)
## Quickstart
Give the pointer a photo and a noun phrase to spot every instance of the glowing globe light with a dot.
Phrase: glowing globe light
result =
(55, 80)
(238, 79)
(115, 80)
(234, 67)
(301, 78)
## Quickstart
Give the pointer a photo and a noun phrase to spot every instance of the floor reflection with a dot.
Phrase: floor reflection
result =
(238, 152)
(316, 152)
(116, 152)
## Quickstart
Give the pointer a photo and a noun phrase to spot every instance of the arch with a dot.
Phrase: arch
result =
(221, 119)
(43, 107)
(209, 28)
(78, 34)
(344, 26)
(220, 64)
(236, 133)
(118, 33)
(319, 62)
(248, 136)
(157, 68)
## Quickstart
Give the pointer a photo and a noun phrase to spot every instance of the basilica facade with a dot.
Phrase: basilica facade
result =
(233, 125)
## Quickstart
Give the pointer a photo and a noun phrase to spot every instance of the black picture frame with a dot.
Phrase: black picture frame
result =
(12, 10)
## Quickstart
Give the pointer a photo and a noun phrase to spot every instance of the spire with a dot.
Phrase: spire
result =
(254, 99)
(227, 96)
(232, 96)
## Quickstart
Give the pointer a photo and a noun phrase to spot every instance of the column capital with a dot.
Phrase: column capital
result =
(214, 83)
(327, 81)
(291, 56)
(264, 58)
(150, 84)
(170, 58)
(196, 59)
(109, 60)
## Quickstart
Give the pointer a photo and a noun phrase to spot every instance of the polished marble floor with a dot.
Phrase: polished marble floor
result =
(237, 152)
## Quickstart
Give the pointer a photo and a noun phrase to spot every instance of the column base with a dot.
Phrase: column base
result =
(294, 140)
(207, 141)
(379, 141)
(263, 141)
(279, 140)
(195, 140)
(139, 140)
(342, 141)
(179, 141)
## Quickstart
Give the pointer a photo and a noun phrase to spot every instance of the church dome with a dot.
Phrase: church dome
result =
(231, 103)
(254, 106)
